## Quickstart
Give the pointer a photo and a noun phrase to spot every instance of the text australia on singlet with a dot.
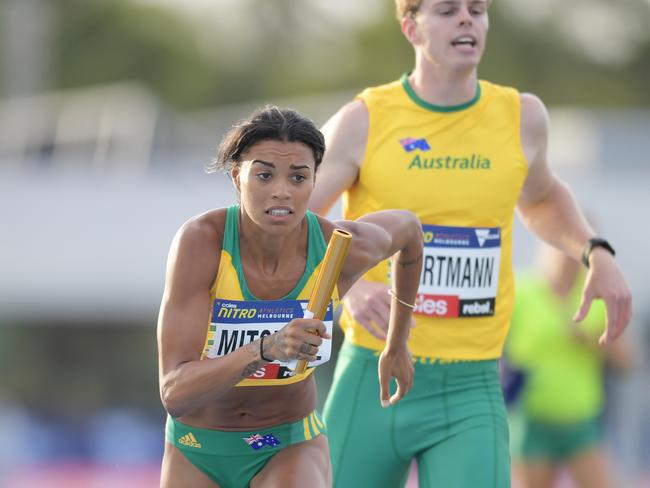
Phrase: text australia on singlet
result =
(235, 323)
(460, 271)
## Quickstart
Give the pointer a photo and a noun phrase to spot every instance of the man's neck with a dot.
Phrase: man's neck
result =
(443, 87)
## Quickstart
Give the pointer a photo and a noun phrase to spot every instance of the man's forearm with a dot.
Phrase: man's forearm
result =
(557, 220)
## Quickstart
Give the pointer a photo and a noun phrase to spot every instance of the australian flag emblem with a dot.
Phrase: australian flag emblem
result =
(257, 441)
(410, 144)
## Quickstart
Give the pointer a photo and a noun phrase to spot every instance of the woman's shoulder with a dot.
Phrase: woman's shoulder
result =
(326, 225)
(205, 230)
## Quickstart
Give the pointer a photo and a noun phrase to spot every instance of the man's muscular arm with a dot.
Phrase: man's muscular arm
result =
(547, 207)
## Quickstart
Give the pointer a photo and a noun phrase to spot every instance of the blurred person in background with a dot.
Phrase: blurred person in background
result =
(462, 154)
(561, 402)
(231, 317)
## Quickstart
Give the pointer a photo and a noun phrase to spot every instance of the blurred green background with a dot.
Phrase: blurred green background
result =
(207, 53)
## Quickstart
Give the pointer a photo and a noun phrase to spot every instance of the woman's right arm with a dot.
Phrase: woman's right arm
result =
(186, 381)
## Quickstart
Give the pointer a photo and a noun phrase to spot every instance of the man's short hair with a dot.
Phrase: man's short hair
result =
(404, 8)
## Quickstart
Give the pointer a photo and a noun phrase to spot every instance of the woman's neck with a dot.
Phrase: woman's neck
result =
(269, 251)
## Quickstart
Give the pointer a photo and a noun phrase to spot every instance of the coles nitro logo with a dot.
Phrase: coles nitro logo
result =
(460, 271)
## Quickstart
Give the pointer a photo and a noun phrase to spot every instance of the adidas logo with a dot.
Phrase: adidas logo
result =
(189, 440)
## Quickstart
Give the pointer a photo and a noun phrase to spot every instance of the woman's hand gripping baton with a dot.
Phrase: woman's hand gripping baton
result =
(326, 280)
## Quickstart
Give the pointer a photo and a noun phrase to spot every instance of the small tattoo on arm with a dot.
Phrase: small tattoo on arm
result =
(251, 368)
(252, 349)
(410, 262)
(277, 343)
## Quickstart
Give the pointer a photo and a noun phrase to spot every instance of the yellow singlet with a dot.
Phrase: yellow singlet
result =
(238, 317)
(460, 169)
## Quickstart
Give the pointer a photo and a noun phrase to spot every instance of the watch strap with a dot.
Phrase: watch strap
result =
(591, 244)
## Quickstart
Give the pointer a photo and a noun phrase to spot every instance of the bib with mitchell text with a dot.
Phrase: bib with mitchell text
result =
(235, 323)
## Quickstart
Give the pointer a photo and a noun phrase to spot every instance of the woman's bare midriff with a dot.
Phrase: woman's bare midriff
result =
(254, 407)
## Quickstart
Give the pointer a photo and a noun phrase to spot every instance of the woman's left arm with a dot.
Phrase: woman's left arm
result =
(376, 237)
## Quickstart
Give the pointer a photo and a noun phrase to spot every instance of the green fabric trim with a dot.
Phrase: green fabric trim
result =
(316, 247)
(437, 108)
(231, 246)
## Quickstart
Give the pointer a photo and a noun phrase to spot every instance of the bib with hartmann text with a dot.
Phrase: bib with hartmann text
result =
(460, 271)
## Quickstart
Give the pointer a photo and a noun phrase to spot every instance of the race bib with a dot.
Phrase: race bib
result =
(236, 323)
(460, 271)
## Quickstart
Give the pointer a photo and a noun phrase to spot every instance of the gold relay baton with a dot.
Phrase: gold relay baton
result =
(326, 280)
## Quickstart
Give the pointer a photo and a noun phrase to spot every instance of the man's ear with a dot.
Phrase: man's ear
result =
(410, 29)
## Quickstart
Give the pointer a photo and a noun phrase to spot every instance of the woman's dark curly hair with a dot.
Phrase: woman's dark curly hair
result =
(267, 123)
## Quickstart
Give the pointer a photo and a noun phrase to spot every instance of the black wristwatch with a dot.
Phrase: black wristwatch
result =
(595, 242)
